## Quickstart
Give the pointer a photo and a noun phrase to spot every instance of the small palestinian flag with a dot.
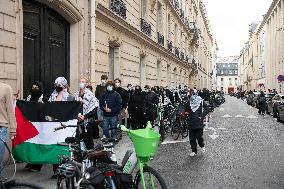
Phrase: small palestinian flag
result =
(36, 141)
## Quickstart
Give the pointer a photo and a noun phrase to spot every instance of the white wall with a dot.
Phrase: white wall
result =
(226, 83)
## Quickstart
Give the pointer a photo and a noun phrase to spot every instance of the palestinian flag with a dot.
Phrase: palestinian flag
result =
(35, 141)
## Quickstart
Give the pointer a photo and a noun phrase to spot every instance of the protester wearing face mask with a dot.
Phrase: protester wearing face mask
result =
(124, 111)
(36, 95)
(60, 93)
(89, 105)
(136, 108)
(110, 104)
(151, 100)
(101, 89)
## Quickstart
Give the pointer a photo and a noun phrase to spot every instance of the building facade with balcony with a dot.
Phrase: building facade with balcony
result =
(262, 59)
(227, 74)
(154, 42)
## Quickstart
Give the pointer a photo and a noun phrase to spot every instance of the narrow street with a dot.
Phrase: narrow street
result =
(246, 151)
(243, 150)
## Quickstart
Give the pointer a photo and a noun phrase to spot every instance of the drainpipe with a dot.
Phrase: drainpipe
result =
(92, 40)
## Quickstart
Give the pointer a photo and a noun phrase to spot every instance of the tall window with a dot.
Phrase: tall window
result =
(236, 81)
(143, 8)
(142, 71)
(176, 34)
(222, 81)
(230, 81)
(169, 27)
(159, 18)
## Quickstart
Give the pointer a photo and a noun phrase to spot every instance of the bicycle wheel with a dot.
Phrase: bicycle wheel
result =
(175, 130)
(20, 185)
(153, 179)
(65, 183)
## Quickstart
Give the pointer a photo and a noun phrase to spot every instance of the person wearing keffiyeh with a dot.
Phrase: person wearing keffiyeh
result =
(60, 92)
(89, 105)
(198, 111)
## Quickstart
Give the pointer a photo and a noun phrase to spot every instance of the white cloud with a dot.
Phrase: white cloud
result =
(230, 19)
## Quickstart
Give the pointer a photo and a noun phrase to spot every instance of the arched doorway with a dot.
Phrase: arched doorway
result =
(45, 46)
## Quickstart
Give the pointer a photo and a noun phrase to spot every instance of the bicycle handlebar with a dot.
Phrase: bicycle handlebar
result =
(63, 126)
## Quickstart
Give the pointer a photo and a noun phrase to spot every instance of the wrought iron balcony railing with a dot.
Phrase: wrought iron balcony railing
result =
(176, 4)
(160, 39)
(170, 46)
(145, 27)
(177, 51)
(119, 7)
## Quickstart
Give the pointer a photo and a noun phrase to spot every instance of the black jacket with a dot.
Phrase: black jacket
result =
(113, 101)
(123, 94)
(100, 91)
(137, 103)
(151, 99)
(195, 119)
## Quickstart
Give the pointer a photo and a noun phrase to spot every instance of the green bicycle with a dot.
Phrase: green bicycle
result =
(145, 143)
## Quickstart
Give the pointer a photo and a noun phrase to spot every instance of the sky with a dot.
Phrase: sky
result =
(230, 19)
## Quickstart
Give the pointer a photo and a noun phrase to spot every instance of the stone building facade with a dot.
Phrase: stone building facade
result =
(155, 42)
(227, 74)
(262, 60)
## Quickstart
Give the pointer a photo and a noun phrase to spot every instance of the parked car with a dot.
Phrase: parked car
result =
(273, 105)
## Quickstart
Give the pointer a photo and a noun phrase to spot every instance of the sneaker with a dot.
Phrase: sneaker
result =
(192, 154)
(203, 150)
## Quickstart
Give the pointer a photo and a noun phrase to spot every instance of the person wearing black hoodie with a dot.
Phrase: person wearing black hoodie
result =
(198, 110)
(151, 100)
(110, 104)
(36, 95)
(136, 108)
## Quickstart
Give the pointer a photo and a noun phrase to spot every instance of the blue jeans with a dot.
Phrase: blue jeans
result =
(110, 122)
(3, 136)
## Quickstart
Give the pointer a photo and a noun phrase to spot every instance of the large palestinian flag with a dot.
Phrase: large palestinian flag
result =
(36, 142)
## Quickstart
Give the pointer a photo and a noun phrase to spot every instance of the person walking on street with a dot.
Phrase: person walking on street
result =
(199, 110)
(136, 109)
(261, 100)
(110, 104)
(36, 95)
(89, 105)
(7, 118)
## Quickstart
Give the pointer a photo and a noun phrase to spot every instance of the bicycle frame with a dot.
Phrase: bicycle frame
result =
(141, 163)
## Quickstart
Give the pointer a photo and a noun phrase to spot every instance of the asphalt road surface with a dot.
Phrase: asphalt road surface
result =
(243, 150)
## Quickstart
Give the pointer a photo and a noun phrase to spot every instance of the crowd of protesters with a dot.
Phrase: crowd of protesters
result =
(109, 105)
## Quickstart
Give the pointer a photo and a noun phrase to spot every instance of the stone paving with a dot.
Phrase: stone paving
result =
(243, 150)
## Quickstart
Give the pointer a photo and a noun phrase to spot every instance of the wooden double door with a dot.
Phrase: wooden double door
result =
(46, 46)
